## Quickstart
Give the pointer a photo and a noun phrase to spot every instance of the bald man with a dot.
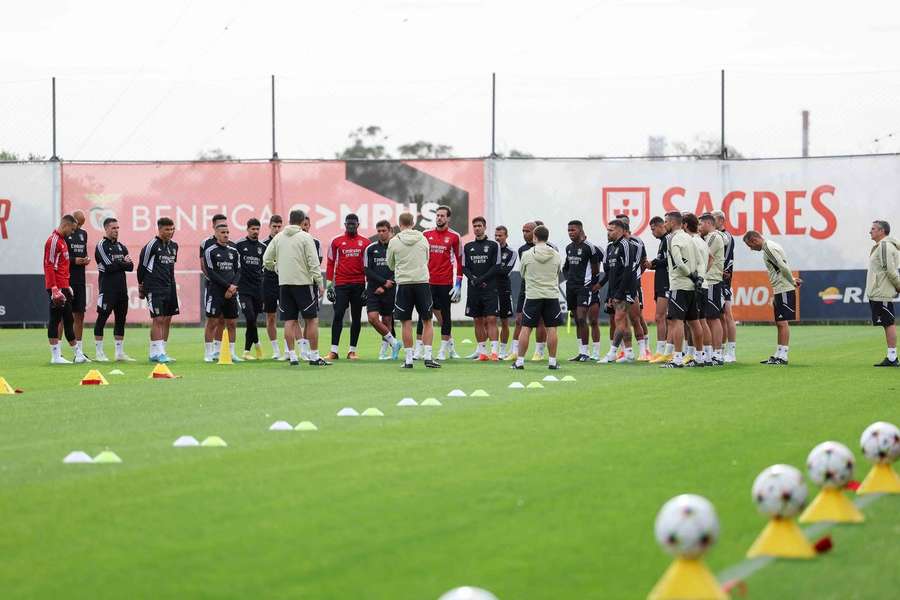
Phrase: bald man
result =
(77, 242)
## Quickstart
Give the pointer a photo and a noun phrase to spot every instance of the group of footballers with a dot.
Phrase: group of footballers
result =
(401, 270)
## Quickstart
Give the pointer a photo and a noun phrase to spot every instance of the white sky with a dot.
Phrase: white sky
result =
(167, 79)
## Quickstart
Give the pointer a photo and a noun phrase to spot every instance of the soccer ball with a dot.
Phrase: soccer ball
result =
(779, 491)
(468, 593)
(830, 464)
(880, 442)
(687, 526)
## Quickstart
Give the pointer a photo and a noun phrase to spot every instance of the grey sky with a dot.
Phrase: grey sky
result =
(167, 79)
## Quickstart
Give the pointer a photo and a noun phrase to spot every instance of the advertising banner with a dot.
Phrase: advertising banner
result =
(835, 295)
(28, 213)
(819, 210)
(191, 193)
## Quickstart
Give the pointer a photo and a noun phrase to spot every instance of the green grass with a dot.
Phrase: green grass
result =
(534, 494)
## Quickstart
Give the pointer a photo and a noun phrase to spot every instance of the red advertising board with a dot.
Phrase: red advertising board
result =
(191, 193)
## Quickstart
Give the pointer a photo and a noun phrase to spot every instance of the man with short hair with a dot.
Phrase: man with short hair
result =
(696, 356)
(445, 271)
(59, 292)
(784, 288)
(659, 264)
(582, 272)
(540, 335)
(620, 274)
(480, 262)
(729, 330)
(301, 335)
(223, 269)
(594, 308)
(156, 283)
(408, 257)
(635, 311)
(684, 281)
(250, 289)
(540, 267)
(271, 291)
(113, 262)
(883, 286)
(346, 281)
(77, 242)
(212, 331)
(381, 290)
(293, 254)
(713, 301)
(504, 287)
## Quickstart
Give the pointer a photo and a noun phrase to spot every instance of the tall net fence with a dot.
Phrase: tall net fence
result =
(143, 117)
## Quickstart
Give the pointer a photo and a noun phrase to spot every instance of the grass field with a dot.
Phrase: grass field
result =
(533, 494)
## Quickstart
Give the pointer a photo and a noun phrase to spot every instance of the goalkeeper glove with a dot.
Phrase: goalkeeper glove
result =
(455, 292)
(329, 292)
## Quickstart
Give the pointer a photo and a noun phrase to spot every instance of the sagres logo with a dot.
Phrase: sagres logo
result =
(631, 201)
(850, 295)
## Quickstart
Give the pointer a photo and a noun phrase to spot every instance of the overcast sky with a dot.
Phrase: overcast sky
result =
(168, 79)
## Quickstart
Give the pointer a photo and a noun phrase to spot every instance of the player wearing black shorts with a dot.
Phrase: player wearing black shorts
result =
(636, 310)
(729, 330)
(883, 285)
(713, 286)
(113, 262)
(784, 291)
(271, 292)
(381, 291)
(213, 329)
(250, 289)
(156, 283)
(620, 273)
(408, 257)
(77, 242)
(594, 308)
(223, 269)
(582, 273)
(508, 258)
(683, 265)
(659, 264)
(540, 266)
(480, 262)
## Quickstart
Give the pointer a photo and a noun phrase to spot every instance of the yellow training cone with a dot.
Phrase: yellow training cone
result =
(833, 506)
(94, 377)
(781, 538)
(882, 479)
(161, 371)
(225, 350)
(687, 579)
(5, 388)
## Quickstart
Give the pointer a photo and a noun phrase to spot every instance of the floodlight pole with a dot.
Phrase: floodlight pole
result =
(493, 115)
(53, 96)
(274, 152)
(723, 149)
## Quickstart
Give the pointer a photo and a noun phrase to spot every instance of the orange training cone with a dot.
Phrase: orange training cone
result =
(782, 538)
(882, 479)
(5, 388)
(687, 579)
(161, 371)
(833, 506)
(94, 377)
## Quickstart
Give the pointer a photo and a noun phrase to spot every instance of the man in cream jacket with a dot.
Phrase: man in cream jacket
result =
(883, 285)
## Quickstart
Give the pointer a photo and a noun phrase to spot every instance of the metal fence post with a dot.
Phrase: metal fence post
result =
(53, 118)
(723, 149)
(274, 152)
(493, 115)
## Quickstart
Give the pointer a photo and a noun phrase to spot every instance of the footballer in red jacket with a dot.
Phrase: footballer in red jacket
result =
(56, 280)
(346, 280)
(445, 272)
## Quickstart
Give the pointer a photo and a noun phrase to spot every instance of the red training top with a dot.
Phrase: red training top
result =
(56, 262)
(445, 256)
(346, 256)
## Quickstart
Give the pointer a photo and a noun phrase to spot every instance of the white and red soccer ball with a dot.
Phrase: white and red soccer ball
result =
(830, 464)
(687, 526)
(779, 491)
